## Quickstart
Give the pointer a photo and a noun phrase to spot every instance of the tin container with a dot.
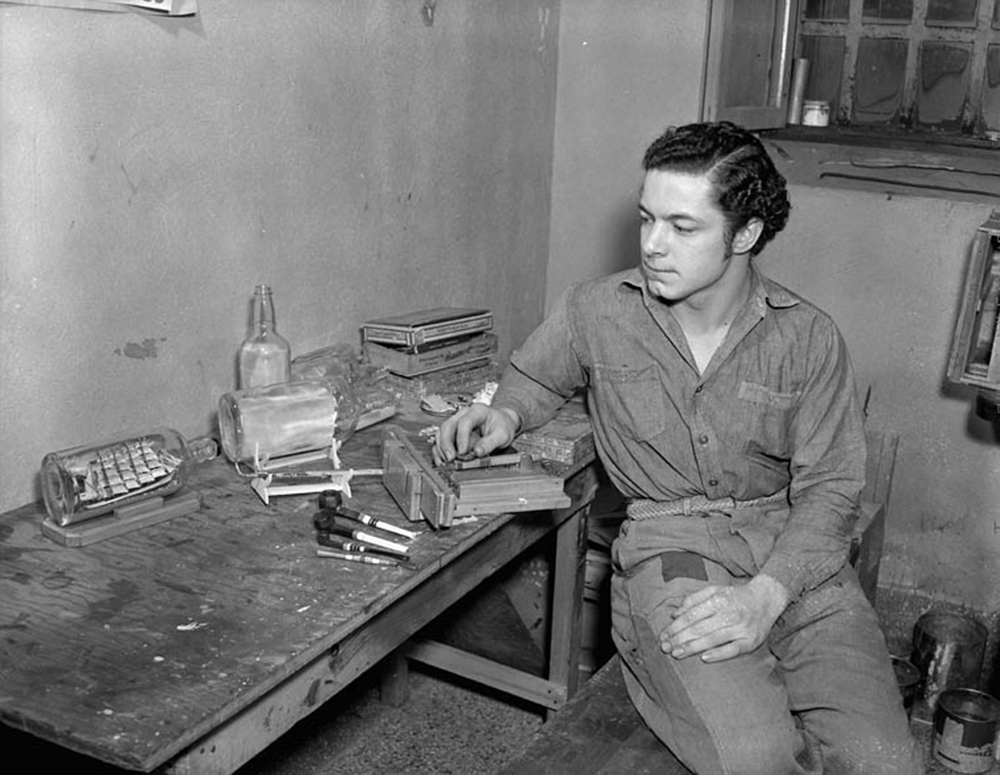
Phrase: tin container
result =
(815, 113)
(948, 650)
(965, 729)
(800, 74)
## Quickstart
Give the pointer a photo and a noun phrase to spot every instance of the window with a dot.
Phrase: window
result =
(748, 62)
(919, 66)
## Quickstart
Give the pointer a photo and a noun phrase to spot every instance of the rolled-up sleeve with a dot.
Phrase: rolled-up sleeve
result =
(544, 373)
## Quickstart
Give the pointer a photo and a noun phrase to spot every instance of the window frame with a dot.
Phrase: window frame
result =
(969, 128)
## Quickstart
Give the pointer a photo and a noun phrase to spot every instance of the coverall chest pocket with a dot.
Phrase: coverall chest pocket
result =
(767, 414)
(634, 399)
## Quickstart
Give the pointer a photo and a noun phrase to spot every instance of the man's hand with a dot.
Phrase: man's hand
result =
(477, 428)
(723, 622)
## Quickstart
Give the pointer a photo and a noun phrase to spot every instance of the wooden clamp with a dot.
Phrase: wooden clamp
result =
(424, 491)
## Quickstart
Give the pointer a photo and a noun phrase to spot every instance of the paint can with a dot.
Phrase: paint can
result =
(965, 729)
(948, 651)
(815, 113)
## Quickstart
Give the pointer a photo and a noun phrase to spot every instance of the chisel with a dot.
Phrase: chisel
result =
(345, 544)
(365, 558)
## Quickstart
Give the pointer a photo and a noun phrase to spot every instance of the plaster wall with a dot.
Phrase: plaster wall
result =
(626, 72)
(890, 270)
(356, 158)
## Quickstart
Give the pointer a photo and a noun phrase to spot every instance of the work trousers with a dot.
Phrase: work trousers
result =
(818, 696)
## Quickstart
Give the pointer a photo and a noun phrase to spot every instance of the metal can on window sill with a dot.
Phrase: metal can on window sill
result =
(815, 113)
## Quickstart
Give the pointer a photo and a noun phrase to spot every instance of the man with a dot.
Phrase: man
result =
(724, 408)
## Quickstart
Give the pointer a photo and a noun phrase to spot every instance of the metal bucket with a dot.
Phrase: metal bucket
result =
(965, 728)
(948, 651)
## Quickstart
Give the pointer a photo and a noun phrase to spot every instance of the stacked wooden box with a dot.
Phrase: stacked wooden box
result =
(440, 350)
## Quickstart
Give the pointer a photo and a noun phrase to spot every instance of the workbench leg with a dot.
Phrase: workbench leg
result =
(568, 579)
(394, 688)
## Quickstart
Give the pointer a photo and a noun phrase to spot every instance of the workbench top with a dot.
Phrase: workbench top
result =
(133, 648)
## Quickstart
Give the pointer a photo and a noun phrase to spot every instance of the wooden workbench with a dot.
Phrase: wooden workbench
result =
(190, 645)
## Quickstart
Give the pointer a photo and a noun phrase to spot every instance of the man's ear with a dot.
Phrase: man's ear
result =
(747, 237)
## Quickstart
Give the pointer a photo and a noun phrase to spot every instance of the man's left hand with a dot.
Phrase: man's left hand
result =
(723, 622)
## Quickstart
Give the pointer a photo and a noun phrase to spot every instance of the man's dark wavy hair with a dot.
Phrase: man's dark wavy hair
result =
(747, 184)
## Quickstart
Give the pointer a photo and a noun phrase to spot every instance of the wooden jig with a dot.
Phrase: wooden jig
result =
(508, 483)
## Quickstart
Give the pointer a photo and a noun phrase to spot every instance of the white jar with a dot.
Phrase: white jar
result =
(815, 113)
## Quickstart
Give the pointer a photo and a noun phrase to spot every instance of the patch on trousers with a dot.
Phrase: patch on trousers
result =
(682, 565)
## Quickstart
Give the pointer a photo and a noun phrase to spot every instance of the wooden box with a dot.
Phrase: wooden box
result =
(975, 353)
(566, 438)
(438, 355)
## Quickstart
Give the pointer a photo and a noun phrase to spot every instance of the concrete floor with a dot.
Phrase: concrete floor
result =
(445, 727)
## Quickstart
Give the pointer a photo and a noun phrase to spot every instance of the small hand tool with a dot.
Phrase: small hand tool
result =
(332, 499)
(325, 538)
(351, 557)
(329, 521)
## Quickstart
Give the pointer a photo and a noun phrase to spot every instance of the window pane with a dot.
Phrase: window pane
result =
(944, 83)
(826, 68)
(952, 13)
(887, 10)
(827, 10)
(747, 60)
(991, 90)
(879, 79)
(996, 16)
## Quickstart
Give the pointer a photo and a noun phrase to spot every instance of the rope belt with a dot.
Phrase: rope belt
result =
(642, 508)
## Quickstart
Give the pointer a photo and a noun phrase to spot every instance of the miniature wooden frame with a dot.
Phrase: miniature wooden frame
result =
(423, 491)
(975, 354)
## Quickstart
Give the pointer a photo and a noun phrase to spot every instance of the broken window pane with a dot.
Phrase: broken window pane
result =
(991, 91)
(952, 13)
(944, 83)
(826, 68)
(827, 10)
(887, 10)
(879, 79)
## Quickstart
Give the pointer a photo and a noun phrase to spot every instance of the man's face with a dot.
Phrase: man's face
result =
(683, 236)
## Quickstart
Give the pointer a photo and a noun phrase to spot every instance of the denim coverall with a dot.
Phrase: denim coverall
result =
(775, 408)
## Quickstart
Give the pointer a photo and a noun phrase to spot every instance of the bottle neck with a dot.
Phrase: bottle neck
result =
(263, 311)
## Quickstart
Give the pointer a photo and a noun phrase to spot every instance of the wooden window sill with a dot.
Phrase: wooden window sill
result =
(907, 164)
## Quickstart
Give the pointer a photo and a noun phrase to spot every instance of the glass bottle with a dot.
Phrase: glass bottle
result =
(265, 356)
(284, 419)
(94, 479)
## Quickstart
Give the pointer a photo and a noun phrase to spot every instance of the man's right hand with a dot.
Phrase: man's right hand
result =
(478, 428)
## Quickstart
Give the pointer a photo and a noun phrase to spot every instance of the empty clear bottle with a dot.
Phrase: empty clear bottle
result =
(265, 357)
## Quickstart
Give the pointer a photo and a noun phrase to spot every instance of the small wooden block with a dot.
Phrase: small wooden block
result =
(122, 521)
(402, 476)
